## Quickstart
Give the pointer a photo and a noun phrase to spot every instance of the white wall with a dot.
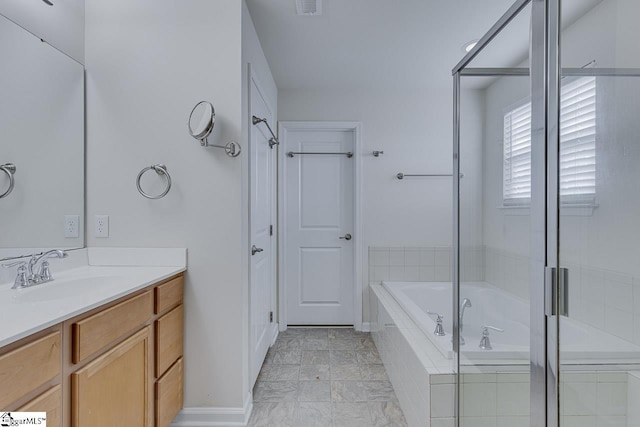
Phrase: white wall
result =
(414, 129)
(61, 25)
(148, 63)
(252, 58)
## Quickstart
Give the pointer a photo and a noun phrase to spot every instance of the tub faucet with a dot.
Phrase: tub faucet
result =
(439, 331)
(485, 342)
(463, 305)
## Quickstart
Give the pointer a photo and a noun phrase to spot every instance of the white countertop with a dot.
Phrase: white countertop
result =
(80, 288)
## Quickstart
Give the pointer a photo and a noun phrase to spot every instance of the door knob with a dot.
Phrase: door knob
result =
(346, 237)
(255, 250)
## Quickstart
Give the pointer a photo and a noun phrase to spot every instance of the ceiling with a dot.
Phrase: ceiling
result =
(379, 44)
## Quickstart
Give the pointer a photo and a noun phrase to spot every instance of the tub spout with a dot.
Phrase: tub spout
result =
(463, 305)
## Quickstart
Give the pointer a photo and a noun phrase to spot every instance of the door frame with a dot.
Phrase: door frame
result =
(283, 130)
(254, 79)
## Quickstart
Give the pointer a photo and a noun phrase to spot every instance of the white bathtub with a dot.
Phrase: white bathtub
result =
(581, 343)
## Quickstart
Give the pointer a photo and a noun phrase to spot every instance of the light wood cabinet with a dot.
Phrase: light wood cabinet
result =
(114, 389)
(103, 328)
(17, 373)
(169, 339)
(119, 364)
(169, 294)
(169, 395)
(49, 402)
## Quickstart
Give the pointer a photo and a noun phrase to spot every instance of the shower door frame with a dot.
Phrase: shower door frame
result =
(545, 93)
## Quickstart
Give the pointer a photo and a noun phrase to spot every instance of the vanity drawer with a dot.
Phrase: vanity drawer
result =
(101, 329)
(49, 402)
(169, 294)
(25, 369)
(169, 332)
(169, 395)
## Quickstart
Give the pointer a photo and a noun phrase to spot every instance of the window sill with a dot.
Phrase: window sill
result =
(574, 209)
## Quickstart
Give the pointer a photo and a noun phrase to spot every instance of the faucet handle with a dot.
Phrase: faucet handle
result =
(438, 315)
(485, 329)
(15, 263)
(21, 280)
(439, 331)
(45, 273)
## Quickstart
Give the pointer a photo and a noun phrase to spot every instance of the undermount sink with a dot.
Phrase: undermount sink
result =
(60, 288)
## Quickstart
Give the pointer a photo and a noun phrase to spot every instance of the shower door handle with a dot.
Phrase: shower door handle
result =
(346, 237)
(556, 290)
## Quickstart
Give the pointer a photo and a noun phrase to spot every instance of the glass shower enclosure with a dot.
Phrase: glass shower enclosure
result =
(547, 218)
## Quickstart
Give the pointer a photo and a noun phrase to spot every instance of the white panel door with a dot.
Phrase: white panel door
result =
(319, 211)
(263, 257)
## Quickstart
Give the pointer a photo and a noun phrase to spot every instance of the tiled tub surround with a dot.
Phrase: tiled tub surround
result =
(491, 396)
(493, 306)
(607, 300)
(324, 377)
(422, 264)
(588, 399)
(422, 378)
(410, 264)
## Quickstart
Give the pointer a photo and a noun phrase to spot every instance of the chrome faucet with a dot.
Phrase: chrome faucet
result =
(27, 275)
(485, 342)
(439, 331)
(463, 305)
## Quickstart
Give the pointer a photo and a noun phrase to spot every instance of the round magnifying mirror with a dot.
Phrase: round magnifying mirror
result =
(201, 120)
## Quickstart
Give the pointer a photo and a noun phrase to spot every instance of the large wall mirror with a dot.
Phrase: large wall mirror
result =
(42, 135)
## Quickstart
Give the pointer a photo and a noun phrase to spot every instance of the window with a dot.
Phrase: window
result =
(577, 146)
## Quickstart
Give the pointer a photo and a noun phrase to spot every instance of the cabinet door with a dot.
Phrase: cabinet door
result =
(49, 402)
(169, 392)
(169, 339)
(113, 390)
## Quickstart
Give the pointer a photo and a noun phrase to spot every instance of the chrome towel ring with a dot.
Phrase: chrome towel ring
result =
(10, 170)
(160, 169)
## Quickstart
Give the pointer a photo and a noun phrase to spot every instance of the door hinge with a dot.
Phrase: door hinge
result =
(271, 317)
(271, 230)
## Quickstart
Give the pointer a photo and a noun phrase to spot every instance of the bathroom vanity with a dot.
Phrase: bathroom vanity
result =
(113, 363)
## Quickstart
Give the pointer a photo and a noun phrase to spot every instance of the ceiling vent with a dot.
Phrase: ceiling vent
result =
(309, 7)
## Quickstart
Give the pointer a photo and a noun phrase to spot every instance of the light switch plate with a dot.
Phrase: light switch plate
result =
(102, 226)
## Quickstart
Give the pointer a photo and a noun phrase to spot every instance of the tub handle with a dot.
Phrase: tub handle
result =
(438, 315)
(439, 331)
(485, 341)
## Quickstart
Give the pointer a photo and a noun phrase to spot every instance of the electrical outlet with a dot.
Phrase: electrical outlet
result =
(102, 225)
(72, 226)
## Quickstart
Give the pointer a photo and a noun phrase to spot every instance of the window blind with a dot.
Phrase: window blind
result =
(577, 146)
(578, 139)
(517, 155)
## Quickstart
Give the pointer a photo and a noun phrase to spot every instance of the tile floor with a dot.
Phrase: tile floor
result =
(326, 378)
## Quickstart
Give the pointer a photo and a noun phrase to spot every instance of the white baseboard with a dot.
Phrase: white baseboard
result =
(215, 416)
(274, 333)
(366, 326)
